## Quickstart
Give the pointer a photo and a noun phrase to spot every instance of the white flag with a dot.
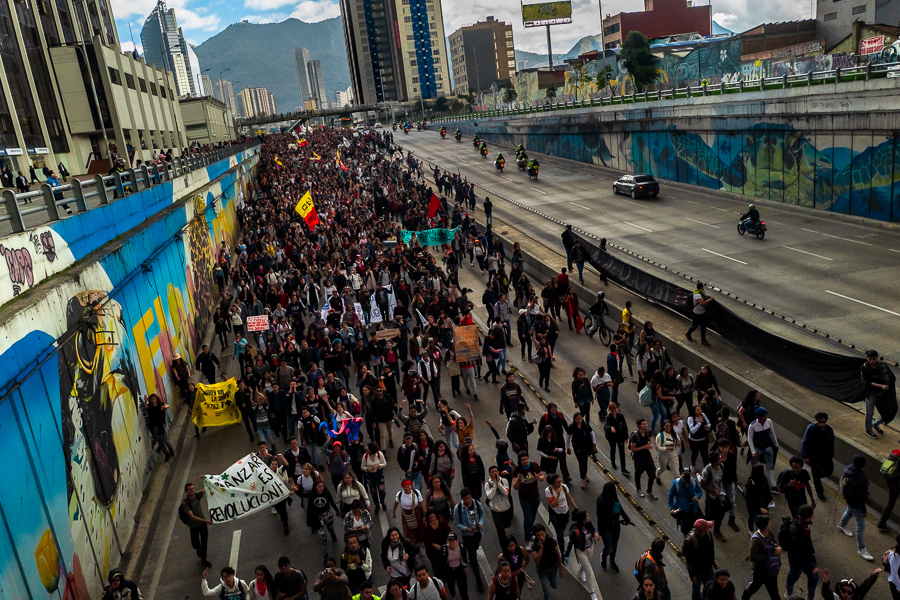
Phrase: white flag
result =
(375, 315)
(246, 487)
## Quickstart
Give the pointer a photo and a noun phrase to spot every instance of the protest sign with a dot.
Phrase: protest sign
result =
(375, 315)
(465, 338)
(430, 237)
(357, 307)
(214, 404)
(246, 487)
(260, 323)
(386, 334)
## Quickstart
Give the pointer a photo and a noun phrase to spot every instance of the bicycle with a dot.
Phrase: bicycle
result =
(604, 330)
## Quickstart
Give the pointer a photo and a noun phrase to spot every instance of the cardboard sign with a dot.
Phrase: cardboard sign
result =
(260, 323)
(465, 338)
(358, 309)
(387, 334)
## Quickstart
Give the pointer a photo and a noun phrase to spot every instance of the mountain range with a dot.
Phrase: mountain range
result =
(262, 55)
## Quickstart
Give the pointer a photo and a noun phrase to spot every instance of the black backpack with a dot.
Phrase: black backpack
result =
(183, 515)
(784, 534)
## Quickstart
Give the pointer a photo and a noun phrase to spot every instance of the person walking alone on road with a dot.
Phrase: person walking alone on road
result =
(881, 392)
(568, 240)
(698, 314)
(579, 255)
(817, 450)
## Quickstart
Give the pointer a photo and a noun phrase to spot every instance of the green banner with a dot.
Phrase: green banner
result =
(430, 237)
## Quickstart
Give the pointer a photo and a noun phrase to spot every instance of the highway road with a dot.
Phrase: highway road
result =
(833, 273)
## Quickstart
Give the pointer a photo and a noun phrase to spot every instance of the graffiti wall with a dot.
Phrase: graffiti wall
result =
(80, 354)
(852, 172)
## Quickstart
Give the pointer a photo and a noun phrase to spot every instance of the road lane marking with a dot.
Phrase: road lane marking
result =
(692, 202)
(638, 226)
(539, 191)
(809, 230)
(890, 312)
(810, 253)
(892, 250)
(837, 237)
(723, 256)
(635, 203)
(580, 206)
(581, 188)
(506, 178)
(722, 209)
(484, 565)
(702, 223)
(574, 567)
(235, 549)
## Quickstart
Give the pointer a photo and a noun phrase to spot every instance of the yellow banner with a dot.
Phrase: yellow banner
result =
(214, 404)
(305, 205)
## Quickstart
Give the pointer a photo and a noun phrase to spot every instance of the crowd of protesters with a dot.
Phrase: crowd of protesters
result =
(360, 339)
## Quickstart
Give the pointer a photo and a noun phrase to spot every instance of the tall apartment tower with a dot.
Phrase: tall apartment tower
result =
(395, 49)
(481, 54)
(301, 63)
(206, 83)
(256, 102)
(225, 93)
(165, 46)
(317, 83)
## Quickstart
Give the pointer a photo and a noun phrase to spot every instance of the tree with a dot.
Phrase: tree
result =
(470, 98)
(585, 82)
(550, 92)
(510, 94)
(638, 60)
(575, 77)
(440, 105)
(456, 105)
(603, 77)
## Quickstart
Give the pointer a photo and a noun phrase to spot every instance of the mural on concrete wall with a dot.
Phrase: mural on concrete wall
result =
(73, 432)
(849, 172)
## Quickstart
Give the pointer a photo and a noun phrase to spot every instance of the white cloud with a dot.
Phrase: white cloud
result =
(129, 46)
(267, 4)
(725, 20)
(313, 11)
(188, 19)
(272, 18)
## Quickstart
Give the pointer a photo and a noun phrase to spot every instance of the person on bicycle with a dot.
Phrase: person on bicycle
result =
(597, 311)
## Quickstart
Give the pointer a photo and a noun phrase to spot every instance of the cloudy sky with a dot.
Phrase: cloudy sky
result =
(202, 19)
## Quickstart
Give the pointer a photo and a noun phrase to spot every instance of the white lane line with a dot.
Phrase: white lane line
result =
(892, 250)
(574, 567)
(890, 312)
(581, 188)
(722, 209)
(235, 549)
(506, 178)
(635, 203)
(810, 253)
(580, 206)
(701, 222)
(809, 230)
(539, 191)
(692, 202)
(723, 256)
(484, 565)
(383, 521)
(837, 237)
(638, 226)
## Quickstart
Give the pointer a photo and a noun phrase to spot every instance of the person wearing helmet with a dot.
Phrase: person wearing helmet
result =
(751, 217)
(847, 589)
(598, 309)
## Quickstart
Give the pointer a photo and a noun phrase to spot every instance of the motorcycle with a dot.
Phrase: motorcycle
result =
(458, 138)
(476, 142)
(484, 152)
(395, 127)
(406, 130)
(522, 162)
(418, 127)
(499, 164)
(757, 229)
(443, 133)
(533, 173)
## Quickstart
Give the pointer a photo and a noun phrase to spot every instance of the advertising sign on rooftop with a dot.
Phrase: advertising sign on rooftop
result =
(546, 13)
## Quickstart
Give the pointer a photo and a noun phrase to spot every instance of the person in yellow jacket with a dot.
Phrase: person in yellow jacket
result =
(628, 321)
(366, 592)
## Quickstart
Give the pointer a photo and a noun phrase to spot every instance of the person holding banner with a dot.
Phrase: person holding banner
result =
(192, 511)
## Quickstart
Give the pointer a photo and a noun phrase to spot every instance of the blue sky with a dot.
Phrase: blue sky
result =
(202, 19)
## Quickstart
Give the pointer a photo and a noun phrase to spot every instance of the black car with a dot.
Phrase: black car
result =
(636, 185)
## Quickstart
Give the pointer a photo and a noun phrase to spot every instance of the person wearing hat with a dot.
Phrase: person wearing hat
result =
(763, 443)
(180, 372)
(290, 581)
(119, 587)
(455, 566)
(698, 314)
(699, 551)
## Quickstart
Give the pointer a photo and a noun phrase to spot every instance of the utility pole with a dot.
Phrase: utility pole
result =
(549, 49)
(602, 45)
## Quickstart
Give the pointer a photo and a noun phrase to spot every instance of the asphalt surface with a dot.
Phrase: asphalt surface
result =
(832, 273)
(174, 570)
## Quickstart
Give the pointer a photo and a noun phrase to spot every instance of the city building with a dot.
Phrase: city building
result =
(224, 92)
(835, 18)
(660, 18)
(867, 41)
(311, 104)
(481, 54)
(395, 49)
(164, 46)
(207, 120)
(256, 102)
(301, 63)
(206, 82)
(343, 98)
(317, 83)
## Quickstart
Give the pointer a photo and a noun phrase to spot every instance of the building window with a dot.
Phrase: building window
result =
(511, 64)
(142, 84)
(511, 53)
(153, 89)
(407, 19)
(831, 17)
(440, 86)
(114, 76)
(436, 52)
(415, 80)
(433, 25)
(858, 10)
(412, 63)
(129, 80)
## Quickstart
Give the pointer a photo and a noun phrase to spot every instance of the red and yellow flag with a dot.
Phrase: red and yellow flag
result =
(339, 162)
(315, 157)
(303, 142)
(306, 209)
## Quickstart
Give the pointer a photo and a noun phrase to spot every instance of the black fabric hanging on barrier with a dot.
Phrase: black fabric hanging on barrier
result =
(833, 375)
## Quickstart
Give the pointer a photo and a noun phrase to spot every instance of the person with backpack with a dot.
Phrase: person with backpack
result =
(583, 538)
(854, 489)
(119, 587)
(794, 484)
(699, 550)
(229, 588)
(847, 589)
(726, 443)
(496, 490)
(641, 443)
(290, 582)
(698, 435)
(518, 428)
(427, 587)
(468, 516)
(717, 503)
(765, 558)
(880, 392)
(557, 420)
(763, 443)
(698, 314)
(817, 450)
(331, 582)
(582, 393)
(795, 538)
(191, 514)
(684, 500)
(757, 495)
(616, 432)
(526, 476)
(650, 564)
(890, 470)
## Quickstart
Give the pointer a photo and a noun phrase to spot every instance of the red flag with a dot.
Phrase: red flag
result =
(434, 205)
(312, 219)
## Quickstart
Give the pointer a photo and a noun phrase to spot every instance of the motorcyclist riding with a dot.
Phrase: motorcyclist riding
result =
(483, 148)
(598, 309)
(443, 131)
(522, 160)
(499, 161)
(475, 141)
(532, 165)
(751, 217)
(520, 149)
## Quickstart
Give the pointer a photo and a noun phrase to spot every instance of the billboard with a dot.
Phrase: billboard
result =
(546, 13)
(871, 45)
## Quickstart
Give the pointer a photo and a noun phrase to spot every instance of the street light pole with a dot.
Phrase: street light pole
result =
(81, 46)
(199, 78)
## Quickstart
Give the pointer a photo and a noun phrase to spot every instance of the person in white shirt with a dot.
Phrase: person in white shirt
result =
(496, 490)
(373, 463)
(427, 587)
(561, 503)
(668, 447)
(763, 443)
(894, 570)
